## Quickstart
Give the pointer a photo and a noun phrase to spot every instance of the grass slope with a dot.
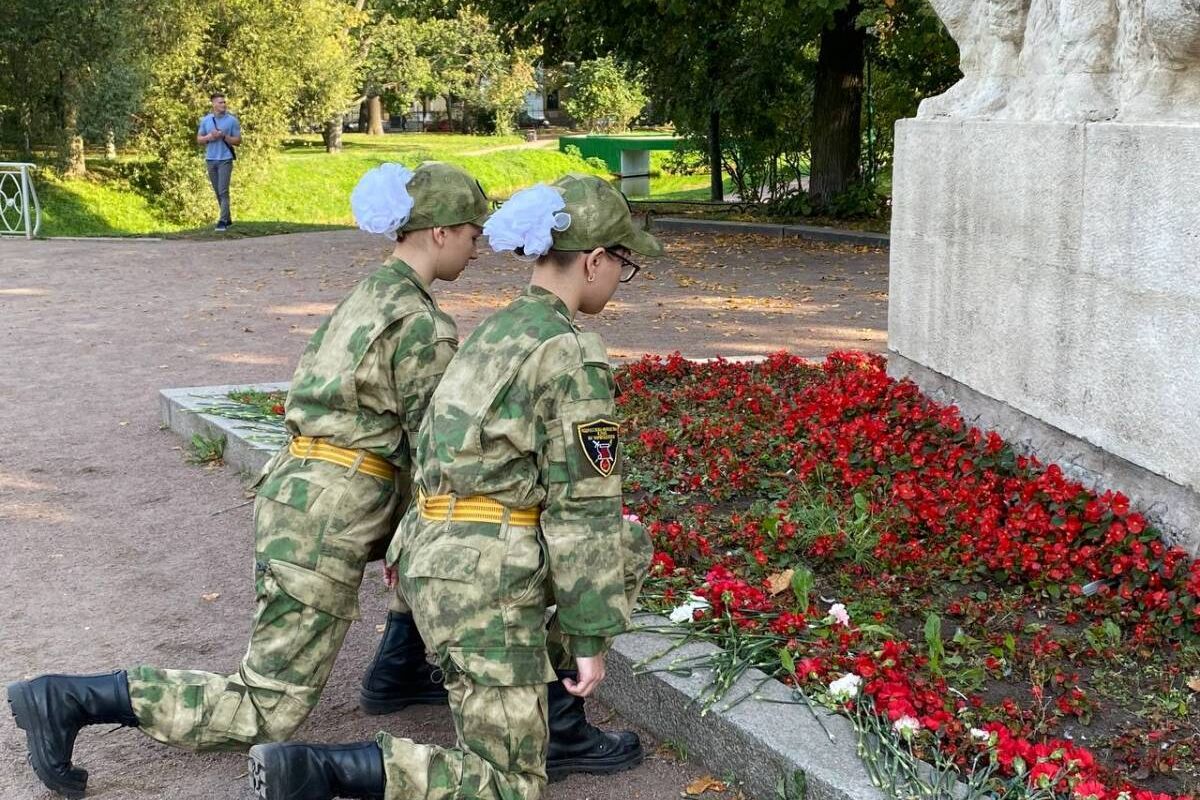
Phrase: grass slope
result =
(305, 187)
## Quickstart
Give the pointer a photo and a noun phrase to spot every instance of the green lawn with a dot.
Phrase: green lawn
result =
(305, 188)
(681, 187)
(96, 208)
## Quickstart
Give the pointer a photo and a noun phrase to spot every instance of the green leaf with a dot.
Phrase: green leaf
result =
(786, 661)
(933, 641)
(802, 585)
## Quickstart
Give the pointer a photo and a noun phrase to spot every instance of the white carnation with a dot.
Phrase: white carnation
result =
(840, 615)
(381, 202)
(907, 726)
(687, 611)
(527, 222)
(845, 688)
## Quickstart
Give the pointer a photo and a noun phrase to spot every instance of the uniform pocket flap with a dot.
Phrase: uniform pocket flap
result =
(316, 590)
(292, 490)
(451, 562)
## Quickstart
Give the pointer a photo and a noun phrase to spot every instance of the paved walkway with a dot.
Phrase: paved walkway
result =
(116, 552)
(536, 144)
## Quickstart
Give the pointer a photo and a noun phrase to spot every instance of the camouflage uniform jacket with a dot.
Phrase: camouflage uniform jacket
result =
(525, 415)
(368, 372)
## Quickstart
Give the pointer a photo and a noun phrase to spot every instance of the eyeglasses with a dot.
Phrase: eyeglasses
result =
(628, 268)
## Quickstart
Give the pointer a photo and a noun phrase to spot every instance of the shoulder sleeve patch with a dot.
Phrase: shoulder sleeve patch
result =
(598, 439)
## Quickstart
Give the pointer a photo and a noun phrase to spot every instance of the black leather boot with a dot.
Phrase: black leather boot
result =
(578, 746)
(52, 708)
(295, 771)
(400, 676)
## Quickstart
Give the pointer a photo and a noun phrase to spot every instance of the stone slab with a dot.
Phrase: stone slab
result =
(758, 741)
(248, 446)
(811, 232)
(1052, 267)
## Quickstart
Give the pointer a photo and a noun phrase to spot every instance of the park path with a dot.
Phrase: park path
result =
(116, 552)
(536, 144)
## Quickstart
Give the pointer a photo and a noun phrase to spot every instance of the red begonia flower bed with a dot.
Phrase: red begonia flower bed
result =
(991, 606)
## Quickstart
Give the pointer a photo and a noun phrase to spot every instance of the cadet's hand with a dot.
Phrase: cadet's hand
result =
(390, 576)
(591, 673)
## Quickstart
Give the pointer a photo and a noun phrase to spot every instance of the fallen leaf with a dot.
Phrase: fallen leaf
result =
(705, 783)
(380, 628)
(208, 597)
(779, 581)
(1194, 683)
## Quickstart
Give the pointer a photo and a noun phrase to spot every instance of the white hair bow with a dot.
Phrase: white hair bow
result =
(526, 222)
(381, 202)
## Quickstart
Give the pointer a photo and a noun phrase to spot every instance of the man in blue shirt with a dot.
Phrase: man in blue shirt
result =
(220, 132)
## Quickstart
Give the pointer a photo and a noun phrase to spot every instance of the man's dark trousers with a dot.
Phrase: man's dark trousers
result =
(219, 173)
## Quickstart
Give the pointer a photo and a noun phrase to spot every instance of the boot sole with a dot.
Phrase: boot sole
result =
(592, 766)
(259, 768)
(22, 706)
(376, 704)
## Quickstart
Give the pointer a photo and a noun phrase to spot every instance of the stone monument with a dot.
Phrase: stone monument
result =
(1045, 263)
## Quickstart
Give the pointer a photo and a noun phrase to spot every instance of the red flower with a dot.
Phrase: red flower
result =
(810, 667)
(662, 564)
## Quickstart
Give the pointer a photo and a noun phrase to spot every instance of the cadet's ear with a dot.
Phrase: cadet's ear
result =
(592, 263)
(438, 234)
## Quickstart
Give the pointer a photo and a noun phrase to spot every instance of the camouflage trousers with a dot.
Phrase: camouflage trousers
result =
(497, 694)
(316, 525)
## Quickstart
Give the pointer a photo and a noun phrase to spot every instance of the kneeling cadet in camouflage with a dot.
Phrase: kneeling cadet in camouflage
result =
(519, 509)
(326, 505)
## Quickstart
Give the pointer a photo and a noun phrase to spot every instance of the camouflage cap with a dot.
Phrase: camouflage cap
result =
(445, 195)
(599, 218)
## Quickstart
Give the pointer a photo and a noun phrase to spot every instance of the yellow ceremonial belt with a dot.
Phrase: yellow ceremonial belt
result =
(476, 508)
(371, 464)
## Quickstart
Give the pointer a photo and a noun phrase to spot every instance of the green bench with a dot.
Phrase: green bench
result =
(628, 156)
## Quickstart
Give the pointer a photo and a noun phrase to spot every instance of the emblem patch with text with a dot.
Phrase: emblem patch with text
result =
(599, 442)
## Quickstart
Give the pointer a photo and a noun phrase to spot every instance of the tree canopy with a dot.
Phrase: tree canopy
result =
(759, 82)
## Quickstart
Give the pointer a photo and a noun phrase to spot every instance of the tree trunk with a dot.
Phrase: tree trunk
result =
(837, 108)
(717, 182)
(424, 113)
(332, 134)
(26, 132)
(110, 144)
(375, 115)
(71, 156)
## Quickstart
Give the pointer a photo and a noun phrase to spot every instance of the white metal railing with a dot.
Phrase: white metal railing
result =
(16, 194)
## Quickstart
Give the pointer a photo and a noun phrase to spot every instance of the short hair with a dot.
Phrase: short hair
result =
(215, 95)
(561, 258)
